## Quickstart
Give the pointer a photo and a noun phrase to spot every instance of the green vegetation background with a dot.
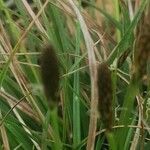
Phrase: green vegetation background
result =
(26, 122)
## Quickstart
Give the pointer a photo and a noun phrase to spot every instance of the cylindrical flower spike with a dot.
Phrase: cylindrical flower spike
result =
(142, 47)
(105, 95)
(50, 73)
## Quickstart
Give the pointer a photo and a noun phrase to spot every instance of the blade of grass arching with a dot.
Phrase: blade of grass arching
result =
(127, 38)
(76, 100)
(129, 98)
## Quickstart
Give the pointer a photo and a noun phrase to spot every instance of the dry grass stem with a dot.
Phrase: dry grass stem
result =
(93, 74)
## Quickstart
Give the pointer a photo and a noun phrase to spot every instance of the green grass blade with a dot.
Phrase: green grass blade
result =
(127, 38)
(76, 100)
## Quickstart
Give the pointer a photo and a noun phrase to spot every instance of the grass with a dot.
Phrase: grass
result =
(83, 36)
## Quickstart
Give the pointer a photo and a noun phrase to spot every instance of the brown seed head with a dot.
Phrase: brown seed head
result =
(50, 72)
(105, 95)
(142, 52)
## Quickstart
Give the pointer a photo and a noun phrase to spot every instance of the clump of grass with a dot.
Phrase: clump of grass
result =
(79, 44)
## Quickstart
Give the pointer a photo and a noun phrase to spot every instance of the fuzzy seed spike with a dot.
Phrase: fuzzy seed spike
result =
(105, 95)
(142, 52)
(49, 72)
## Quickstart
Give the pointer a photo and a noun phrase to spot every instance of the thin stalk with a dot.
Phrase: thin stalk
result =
(131, 93)
(55, 125)
(76, 100)
(111, 140)
(117, 17)
(93, 75)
